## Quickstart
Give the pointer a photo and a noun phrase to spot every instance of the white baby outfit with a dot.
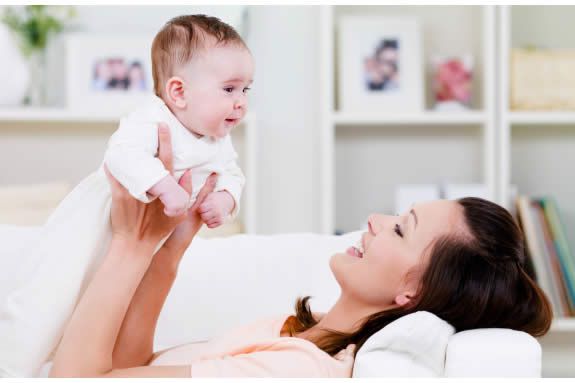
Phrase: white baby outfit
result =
(76, 235)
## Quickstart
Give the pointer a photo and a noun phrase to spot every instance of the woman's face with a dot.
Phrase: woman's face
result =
(387, 273)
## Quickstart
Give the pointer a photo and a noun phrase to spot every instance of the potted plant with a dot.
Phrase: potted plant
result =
(33, 26)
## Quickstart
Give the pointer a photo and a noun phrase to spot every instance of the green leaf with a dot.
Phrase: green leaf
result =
(35, 25)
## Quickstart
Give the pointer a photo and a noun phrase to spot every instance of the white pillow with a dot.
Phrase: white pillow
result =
(493, 352)
(412, 346)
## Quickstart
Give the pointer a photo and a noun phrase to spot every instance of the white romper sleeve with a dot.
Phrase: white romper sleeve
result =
(232, 178)
(131, 156)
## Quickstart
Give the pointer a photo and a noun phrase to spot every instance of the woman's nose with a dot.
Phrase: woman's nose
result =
(375, 223)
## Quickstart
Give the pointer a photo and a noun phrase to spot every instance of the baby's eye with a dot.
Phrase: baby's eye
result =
(246, 90)
(229, 89)
(398, 231)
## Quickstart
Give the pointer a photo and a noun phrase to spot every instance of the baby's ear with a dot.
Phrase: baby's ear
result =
(175, 92)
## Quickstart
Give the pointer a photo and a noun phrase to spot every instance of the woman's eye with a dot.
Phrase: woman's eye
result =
(229, 89)
(397, 230)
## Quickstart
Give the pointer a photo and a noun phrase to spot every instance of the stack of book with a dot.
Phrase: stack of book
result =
(553, 263)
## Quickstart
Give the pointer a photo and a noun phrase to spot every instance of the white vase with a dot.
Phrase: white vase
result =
(36, 95)
(14, 73)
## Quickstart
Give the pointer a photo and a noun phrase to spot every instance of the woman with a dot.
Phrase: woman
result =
(461, 260)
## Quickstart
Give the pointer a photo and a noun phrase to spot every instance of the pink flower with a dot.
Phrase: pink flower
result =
(452, 82)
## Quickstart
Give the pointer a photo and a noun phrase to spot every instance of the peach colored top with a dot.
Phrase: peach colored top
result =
(256, 350)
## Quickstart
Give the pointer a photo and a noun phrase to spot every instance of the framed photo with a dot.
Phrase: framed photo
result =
(380, 65)
(112, 74)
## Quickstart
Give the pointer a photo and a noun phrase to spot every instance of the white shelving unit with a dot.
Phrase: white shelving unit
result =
(47, 114)
(563, 325)
(424, 118)
(77, 123)
(534, 150)
(505, 134)
(335, 122)
(541, 118)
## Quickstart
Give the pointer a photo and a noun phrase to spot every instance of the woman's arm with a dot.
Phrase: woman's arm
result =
(88, 342)
(134, 345)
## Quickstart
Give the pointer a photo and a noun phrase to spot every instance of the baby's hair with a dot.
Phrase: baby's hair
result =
(178, 40)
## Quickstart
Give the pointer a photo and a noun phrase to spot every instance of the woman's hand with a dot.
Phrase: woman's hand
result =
(135, 221)
(186, 230)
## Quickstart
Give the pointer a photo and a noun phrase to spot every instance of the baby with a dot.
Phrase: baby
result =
(202, 71)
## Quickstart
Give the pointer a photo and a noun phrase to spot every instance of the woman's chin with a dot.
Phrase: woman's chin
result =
(339, 260)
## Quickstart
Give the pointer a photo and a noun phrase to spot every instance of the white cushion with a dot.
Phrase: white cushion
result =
(226, 282)
(493, 352)
(412, 346)
(30, 204)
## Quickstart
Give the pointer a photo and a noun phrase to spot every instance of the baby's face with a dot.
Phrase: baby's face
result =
(216, 86)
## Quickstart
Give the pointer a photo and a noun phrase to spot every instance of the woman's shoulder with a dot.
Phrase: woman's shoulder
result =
(178, 355)
(256, 344)
(254, 332)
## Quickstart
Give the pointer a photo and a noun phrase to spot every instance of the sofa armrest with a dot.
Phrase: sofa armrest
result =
(493, 352)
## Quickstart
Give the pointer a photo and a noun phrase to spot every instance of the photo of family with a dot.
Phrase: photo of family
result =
(116, 73)
(379, 65)
(382, 67)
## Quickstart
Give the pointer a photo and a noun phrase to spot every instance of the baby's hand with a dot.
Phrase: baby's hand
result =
(216, 207)
(175, 201)
(173, 196)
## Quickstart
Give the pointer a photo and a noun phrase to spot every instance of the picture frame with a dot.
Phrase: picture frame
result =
(380, 66)
(112, 74)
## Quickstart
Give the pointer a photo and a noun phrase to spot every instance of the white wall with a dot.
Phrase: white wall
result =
(284, 41)
(145, 18)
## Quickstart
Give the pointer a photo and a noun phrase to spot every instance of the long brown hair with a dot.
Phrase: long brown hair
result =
(472, 281)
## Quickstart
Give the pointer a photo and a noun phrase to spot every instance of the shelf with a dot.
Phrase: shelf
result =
(423, 118)
(27, 114)
(563, 324)
(55, 114)
(552, 118)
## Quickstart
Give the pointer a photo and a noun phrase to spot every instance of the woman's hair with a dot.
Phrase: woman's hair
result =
(473, 280)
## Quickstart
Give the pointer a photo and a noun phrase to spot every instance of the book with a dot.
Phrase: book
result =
(563, 252)
(535, 250)
(553, 259)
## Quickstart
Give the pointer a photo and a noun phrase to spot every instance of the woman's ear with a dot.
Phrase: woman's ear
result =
(175, 92)
(403, 298)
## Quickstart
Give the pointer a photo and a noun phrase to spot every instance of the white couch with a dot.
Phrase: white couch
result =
(231, 281)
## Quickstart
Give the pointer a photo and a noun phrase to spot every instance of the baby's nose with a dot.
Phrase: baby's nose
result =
(240, 102)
